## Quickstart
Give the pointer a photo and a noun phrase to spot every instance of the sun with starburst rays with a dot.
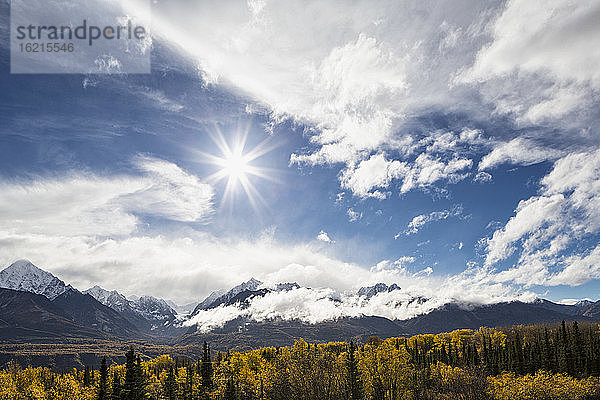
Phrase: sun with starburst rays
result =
(235, 165)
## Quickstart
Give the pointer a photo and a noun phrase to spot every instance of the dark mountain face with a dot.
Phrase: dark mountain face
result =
(98, 313)
(591, 310)
(85, 310)
(148, 314)
(29, 317)
(242, 333)
(216, 299)
(453, 316)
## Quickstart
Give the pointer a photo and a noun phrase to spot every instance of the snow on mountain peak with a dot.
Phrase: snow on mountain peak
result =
(370, 291)
(110, 298)
(153, 308)
(23, 275)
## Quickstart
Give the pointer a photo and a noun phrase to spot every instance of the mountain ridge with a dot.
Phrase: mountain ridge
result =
(98, 312)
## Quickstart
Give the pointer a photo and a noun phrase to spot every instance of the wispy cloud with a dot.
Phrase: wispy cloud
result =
(86, 204)
(421, 220)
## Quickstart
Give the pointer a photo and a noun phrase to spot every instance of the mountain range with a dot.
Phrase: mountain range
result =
(36, 306)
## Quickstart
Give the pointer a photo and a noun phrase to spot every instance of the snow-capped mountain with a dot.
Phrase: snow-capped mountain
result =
(204, 304)
(183, 309)
(225, 298)
(370, 291)
(284, 287)
(112, 298)
(23, 275)
(154, 309)
(146, 312)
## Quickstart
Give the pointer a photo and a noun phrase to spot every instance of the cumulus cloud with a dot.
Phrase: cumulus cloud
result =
(376, 172)
(353, 88)
(356, 81)
(324, 237)
(546, 226)
(483, 177)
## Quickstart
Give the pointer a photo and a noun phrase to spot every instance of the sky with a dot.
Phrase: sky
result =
(449, 147)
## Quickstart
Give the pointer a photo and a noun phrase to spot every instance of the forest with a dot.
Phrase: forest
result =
(560, 361)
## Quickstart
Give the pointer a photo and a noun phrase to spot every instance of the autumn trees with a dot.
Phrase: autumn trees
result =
(526, 362)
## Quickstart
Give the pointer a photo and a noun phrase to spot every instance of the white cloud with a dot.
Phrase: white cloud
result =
(543, 61)
(353, 216)
(419, 294)
(571, 302)
(421, 220)
(518, 151)
(483, 177)
(353, 78)
(85, 204)
(556, 36)
(376, 172)
(172, 192)
(185, 267)
(324, 237)
(545, 227)
(352, 88)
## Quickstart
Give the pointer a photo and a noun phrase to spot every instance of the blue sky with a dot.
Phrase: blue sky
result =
(424, 146)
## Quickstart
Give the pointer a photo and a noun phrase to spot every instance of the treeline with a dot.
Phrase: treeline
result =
(566, 348)
(531, 362)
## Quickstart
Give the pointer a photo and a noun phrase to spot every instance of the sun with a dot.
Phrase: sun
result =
(235, 165)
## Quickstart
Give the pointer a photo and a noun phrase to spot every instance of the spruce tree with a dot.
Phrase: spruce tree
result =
(577, 350)
(170, 385)
(353, 383)
(115, 393)
(86, 377)
(103, 385)
(230, 391)
(134, 387)
(206, 368)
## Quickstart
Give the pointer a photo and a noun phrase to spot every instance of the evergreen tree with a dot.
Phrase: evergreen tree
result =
(547, 352)
(86, 377)
(353, 378)
(115, 393)
(577, 350)
(206, 368)
(134, 387)
(230, 391)
(170, 385)
(103, 385)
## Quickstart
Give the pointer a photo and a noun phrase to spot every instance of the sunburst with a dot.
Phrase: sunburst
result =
(235, 162)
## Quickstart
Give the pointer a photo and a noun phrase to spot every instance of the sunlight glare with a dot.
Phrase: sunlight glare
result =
(235, 162)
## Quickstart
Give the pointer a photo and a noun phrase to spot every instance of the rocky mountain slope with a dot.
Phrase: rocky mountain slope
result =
(34, 304)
